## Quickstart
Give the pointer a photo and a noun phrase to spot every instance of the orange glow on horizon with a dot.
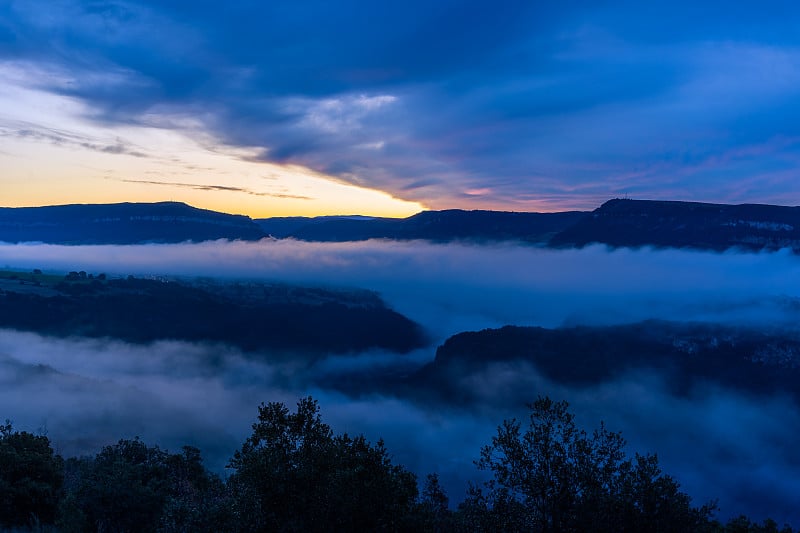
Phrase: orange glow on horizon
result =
(51, 154)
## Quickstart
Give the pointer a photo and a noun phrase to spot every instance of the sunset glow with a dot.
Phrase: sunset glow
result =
(310, 109)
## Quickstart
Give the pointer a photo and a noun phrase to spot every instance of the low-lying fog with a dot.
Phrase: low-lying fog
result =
(718, 443)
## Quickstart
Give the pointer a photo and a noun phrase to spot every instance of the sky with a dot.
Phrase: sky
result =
(312, 107)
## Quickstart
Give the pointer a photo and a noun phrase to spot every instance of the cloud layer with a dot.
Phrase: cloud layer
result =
(88, 393)
(718, 443)
(451, 288)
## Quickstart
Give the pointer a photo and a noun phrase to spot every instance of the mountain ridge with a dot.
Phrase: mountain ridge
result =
(122, 223)
(618, 223)
(437, 226)
(629, 223)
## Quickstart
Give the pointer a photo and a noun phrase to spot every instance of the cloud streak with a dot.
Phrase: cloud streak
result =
(29, 131)
(223, 188)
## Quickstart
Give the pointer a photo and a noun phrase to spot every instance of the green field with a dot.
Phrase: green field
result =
(31, 276)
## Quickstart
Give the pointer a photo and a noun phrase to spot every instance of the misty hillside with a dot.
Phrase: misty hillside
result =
(125, 223)
(633, 223)
(683, 354)
(251, 316)
(437, 226)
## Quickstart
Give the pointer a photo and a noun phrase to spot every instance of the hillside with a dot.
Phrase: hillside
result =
(438, 226)
(684, 355)
(125, 223)
(255, 317)
(635, 223)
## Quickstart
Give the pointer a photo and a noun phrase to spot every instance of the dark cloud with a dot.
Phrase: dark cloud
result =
(528, 100)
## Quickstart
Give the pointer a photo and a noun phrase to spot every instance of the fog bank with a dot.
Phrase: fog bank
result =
(455, 287)
(719, 443)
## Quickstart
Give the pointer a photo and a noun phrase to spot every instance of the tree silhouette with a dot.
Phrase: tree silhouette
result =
(31, 476)
(553, 476)
(132, 487)
(293, 474)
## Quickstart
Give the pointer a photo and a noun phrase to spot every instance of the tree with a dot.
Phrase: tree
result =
(742, 524)
(433, 511)
(293, 474)
(31, 476)
(134, 487)
(553, 476)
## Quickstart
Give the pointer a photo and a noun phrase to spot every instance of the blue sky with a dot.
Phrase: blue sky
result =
(385, 108)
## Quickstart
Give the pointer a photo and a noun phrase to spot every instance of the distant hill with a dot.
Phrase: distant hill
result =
(634, 223)
(438, 226)
(617, 223)
(170, 222)
(304, 228)
(256, 317)
(686, 355)
(125, 223)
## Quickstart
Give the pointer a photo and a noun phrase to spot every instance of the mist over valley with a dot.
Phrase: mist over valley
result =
(692, 355)
(457, 267)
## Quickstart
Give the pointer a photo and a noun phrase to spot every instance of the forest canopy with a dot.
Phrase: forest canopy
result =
(294, 473)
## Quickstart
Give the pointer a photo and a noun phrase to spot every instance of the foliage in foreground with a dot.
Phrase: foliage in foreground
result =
(555, 477)
(31, 478)
(294, 474)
